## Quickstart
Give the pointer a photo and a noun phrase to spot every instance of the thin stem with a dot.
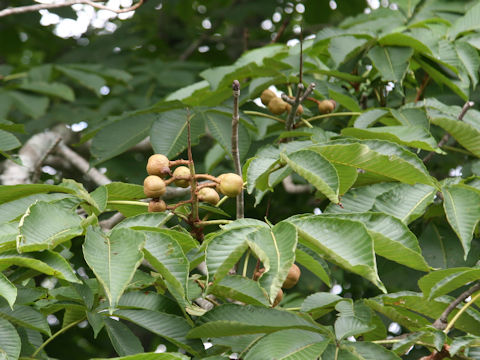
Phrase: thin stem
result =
(206, 184)
(459, 313)
(258, 113)
(180, 203)
(193, 180)
(293, 111)
(441, 322)
(235, 151)
(59, 332)
(293, 309)
(337, 348)
(222, 200)
(178, 162)
(387, 341)
(454, 149)
(307, 124)
(127, 202)
(212, 222)
(206, 176)
(245, 263)
(323, 116)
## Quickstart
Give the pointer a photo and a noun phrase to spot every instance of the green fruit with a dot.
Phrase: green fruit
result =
(230, 185)
(154, 186)
(158, 164)
(277, 106)
(292, 277)
(208, 195)
(266, 96)
(326, 106)
(182, 171)
(157, 206)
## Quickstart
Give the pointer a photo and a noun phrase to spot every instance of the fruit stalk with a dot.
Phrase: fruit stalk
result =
(193, 181)
(235, 152)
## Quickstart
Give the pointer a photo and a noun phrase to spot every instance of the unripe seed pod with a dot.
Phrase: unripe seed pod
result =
(292, 277)
(182, 171)
(230, 184)
(208, 195)
(278, 298)
(326, 106)
(157, 206)
(158, 164)
(277, 106)
(154, 186)
(257, 274)
(266, 96)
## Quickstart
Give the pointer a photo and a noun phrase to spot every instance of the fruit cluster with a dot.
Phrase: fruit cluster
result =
(292, 279)
(155, 184)
(275, 104)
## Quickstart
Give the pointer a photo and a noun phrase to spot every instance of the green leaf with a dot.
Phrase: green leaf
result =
(124, 191)
(119, 136)
(392, 238)
(12, 192)
(370, 351)
(275, 248)
(46, 225)
(316, 170)
(379, 157)
(149, 301)
(167, 257)
(314, 263)
(232, 319)
(51, 89)
(441, 282)
(355, 251)
(170, 327)
(413, 136)
(463, 213)
(220, 125)
(288, 345)
(30, 105)
(405, 202)
(466, 134)
(406, 40)
(391, 62)
(147, 220)
(343, 48)
(256, 167)
(225, 249)
(320, 303)
(26, 316)
(123, 340)
(345, 100)
(467, 22)
(47, 262)
(9, 340)
(470, 60)
(113, 258)
(7, 290)
(8, 141)
(169, 132)
(352, 319)
(369, 117)
(241, 289)
(87, 79)
(150, 356)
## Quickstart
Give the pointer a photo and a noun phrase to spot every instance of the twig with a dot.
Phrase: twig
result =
(323, 116)
(212, 222)
(193, 180)
(422, 87)
(281, 30)
(460, 312)
(111, 221)
(307, 92)
(293, 111)
(235, 151)
(467, 106)
(30, 8)
(292, 188)
(442, 322)
(258, 113)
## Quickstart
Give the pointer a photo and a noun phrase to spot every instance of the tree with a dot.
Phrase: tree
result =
(363, 171)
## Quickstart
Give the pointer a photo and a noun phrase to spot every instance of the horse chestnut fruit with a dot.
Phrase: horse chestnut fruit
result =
(182, 171)
(154, 186)
(208, 195)
(326, 106)
(292, 277)
(158, 164)
(157, 206)
(230, 185)
(278, 298)
(266, 96)
(277, 106)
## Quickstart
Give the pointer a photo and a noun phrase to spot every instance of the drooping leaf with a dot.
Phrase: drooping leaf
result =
(466, 134)
(26, 316)
(123, 340)
(288, 345)
(467, 22)
(8, 141)
(392, 62)
(463, 212)
(319, 304)
(150, 356)
(172, 328)
(46, 225)
(155, 219)
(59, 90)
(7, 290)
(352, 319)
(442, 282)
(241, 289)
(10, 342)
(313, 262)
(113, 258)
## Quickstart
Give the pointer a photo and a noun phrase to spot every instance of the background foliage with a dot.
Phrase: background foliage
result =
(387, 262)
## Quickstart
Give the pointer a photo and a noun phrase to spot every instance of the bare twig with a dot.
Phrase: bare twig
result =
(442, 322)
(307, 92)
(291, 116)
(94, 3)
(281, 30)
(467, 106)
(235, 151)
(422, 87)
(292, 188)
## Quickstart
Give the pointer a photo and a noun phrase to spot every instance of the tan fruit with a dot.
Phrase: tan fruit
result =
(278, 299)
(258, 273)
(292, 277)
(182, 171)
(277, 106)
(154, 186)
(158, 164)
(266, 96)
(230, 184)
(157, 206)
(299, 109)
(208, 195)
(326, 106)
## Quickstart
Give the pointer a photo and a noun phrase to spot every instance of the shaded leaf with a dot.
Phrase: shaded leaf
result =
(123, 340)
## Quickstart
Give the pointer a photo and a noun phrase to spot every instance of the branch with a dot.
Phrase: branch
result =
(235, 151)
(467, 106)
(292, 188)
(30, 8)
(442, 322)
(293, 111)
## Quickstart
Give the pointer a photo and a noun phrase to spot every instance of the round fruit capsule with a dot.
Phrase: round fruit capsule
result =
(157, 206)
(208, 195)
(292, 277)
(266, 96)
(326, 106)
(182, 171)
(230, 185)
(277, 106)
(278, 299)
(154, 186)
(158, 164)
